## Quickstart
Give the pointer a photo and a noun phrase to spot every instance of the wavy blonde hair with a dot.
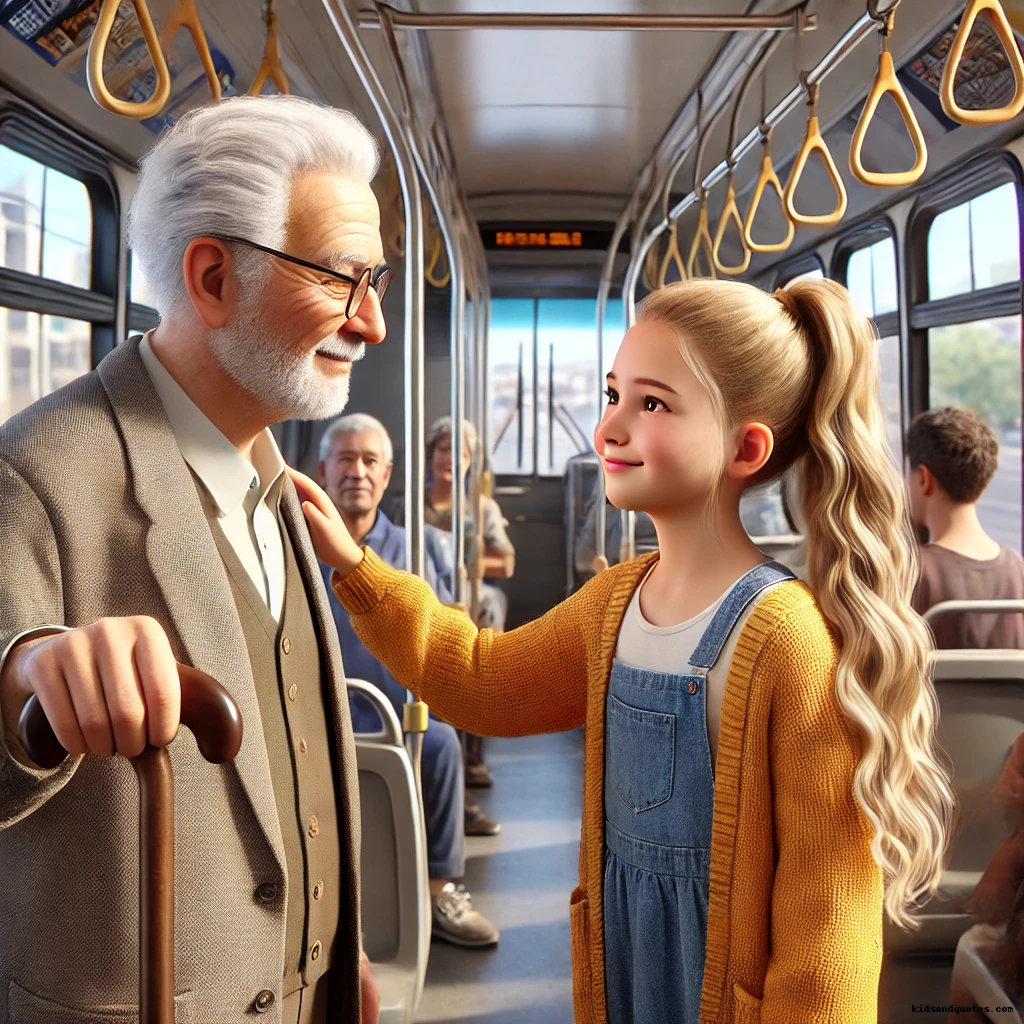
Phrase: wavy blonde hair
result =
(805, 363)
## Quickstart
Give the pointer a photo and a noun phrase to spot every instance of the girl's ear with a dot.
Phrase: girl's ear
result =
(755, 443)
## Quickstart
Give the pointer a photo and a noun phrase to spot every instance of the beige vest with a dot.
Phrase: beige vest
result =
(286, 668)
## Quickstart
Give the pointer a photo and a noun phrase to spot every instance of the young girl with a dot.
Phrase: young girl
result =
(760, 755)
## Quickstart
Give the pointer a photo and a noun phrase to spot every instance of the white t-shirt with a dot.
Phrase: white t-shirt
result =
(669, 649)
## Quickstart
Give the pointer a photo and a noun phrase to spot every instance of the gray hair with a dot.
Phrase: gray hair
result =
(227, 170)
(443, 428)
(356, 423)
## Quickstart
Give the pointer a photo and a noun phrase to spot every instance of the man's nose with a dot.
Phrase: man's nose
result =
(368, 320)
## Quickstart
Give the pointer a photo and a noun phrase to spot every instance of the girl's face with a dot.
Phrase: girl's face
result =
(658, 440)
(441, 464)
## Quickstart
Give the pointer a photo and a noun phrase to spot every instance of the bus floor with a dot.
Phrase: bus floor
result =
(521, 880)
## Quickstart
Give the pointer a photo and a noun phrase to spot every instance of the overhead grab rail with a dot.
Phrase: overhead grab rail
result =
(861, 29)
(730, 208)
(813, 140)
(270, 66)
(993, 115)
(185, 15)
(886, 81)
(94, 65)
(794, 20)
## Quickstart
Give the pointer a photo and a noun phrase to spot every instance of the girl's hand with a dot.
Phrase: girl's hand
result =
(334, 544)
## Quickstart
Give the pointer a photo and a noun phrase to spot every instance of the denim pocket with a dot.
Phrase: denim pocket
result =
(641, 754)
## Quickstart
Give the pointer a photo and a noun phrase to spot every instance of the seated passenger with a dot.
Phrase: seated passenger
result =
(499, 562)
(953, 456)
(355, 466)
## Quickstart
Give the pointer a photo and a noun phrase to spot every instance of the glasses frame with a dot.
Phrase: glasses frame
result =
(371, 277)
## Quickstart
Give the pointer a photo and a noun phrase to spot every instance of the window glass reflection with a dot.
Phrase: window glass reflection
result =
(38, 354)
(45, 221)
(977, 366)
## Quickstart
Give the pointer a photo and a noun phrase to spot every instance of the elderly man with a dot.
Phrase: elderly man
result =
(146, 519)
(356, 458)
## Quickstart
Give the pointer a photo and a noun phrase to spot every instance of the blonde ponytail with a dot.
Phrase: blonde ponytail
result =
(862, 567)
(804, 362)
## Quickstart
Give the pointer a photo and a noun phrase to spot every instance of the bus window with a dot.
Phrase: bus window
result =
(38, 354)
(808, 275)
(975, 245)
(871, 280)
(976, 363)
(559, 407)
(45, 221)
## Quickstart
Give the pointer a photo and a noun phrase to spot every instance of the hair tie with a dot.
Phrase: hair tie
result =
(789, 303)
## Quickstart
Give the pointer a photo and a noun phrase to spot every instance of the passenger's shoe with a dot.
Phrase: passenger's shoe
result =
(478, 776)
(478, 824)
(456, 921)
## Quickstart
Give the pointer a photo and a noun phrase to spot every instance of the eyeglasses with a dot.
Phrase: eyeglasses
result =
(341, 287)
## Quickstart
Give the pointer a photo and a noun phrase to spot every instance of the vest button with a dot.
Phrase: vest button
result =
(314, 953)
(293, 691)
(314, 827)
(266, 893)
(286, 645)
(692, 686)
(302, 745)
(318, 889)
(264, 1001)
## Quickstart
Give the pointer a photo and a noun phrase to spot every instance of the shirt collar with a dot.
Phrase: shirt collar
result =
(379, 532)
(223, 470)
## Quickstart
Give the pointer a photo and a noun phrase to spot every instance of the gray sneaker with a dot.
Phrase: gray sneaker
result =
(456, 921)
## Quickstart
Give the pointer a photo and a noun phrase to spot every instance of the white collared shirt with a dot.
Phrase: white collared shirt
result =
(245, 494)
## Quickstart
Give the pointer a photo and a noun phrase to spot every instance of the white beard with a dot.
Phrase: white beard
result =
(255, 357)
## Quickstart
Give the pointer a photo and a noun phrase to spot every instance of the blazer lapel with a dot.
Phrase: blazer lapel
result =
(187, 567)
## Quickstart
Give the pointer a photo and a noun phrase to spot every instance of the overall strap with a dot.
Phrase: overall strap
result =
(729, 611)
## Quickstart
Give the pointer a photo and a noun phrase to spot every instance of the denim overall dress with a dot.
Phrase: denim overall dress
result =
(658, 802)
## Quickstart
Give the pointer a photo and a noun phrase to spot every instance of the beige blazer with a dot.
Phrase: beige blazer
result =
(99, 516)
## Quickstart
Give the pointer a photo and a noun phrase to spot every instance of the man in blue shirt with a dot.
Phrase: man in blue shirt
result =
(356, 458)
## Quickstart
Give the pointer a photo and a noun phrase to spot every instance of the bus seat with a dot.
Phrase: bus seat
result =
(981, 714)
(395, 891)
(974, 981)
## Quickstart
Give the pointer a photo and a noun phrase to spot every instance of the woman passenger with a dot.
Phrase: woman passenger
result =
(761, 773)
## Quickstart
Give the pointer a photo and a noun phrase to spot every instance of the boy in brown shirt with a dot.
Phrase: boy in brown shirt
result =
(953, 456)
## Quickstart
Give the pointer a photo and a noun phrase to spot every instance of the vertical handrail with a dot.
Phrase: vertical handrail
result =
(413, 334)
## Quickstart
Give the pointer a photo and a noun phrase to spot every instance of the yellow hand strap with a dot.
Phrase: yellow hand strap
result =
(997, 19)
(730, 209)
(270, 67)
(94, 66)
(185, 15)
(813, 141)
(764, 179)
(702, 243)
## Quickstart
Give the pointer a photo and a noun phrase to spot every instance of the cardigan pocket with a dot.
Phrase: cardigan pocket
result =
(746, 1008)
(582, 970)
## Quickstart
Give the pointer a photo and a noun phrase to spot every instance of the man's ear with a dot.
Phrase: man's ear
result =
(387, 474)
(929, 485)
(211, 286)
(323, 474)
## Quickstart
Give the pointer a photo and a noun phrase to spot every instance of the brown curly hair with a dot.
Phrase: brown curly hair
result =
(959, 448)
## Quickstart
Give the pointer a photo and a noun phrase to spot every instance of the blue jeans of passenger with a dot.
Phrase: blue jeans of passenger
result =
(443, 779)
(658, 805)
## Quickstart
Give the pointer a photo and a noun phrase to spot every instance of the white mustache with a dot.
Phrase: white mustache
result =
(339, 349)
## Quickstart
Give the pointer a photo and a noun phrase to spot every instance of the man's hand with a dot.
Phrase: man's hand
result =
(371, 997)
(106, 688)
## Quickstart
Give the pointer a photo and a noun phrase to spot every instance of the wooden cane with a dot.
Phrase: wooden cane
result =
(213, 716)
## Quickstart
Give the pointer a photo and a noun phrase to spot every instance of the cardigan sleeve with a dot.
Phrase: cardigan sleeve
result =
(826, 908)
(527, 681)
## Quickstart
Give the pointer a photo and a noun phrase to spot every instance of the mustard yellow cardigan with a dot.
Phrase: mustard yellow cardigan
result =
(794, 931)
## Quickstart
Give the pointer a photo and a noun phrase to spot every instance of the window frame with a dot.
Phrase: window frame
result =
(54, 146)
(862, 236)
(802, 264)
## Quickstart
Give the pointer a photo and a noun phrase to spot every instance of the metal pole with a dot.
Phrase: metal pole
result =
(793, 20)
(603, 288)
(414, 316)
